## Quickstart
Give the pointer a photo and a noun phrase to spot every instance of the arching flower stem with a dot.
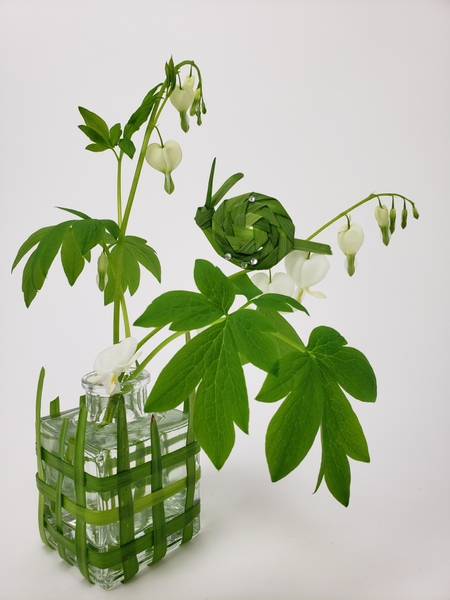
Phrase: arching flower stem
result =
(360, 203)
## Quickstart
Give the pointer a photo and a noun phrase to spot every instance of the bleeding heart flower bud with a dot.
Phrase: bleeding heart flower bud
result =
(102, 269)
(382, 217)
(350, 239)
(165, 159)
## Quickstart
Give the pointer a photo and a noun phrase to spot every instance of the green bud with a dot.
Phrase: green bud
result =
(392, 218)
(382, 217)
(102, 270)
(415, 212)
(404, 218)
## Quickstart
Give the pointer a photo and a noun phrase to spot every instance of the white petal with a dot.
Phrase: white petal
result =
(261, 280)
(172, 155)
(110, 382)
(115, 356)
(315, 294)
(281, 284)
(155, 157)
(293, 264)
(314, 270)
(350, 239)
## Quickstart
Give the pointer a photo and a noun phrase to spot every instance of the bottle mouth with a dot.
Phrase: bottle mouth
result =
(90, 382)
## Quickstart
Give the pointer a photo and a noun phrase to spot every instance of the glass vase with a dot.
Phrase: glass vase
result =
(118, 487)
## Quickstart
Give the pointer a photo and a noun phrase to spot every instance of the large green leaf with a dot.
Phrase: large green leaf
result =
(94, 123)
(34, 239)
(310, 379)
(88, 233)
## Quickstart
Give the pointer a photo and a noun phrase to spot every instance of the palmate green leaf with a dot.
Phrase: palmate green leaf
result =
(48, 248)
(114, 134)
(211, 361)
(312, 388)
(185, 310)
(74, 212)
(97, 147)
(31, 283)
(214, 285)
(347, 365)
(294, 426)
(94, 136)
(71, 257)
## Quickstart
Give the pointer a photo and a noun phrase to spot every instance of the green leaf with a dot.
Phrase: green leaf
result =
(244, 286)
(114, 134)
(182, 373)
(88, 233)
(94, 136)
(74, 212)
(47, 250)
(284, 377)
(140, 116)
(96, 147)
(34, 239)
(335, 465)
(278, 302)
(131, 273)
(94, 123)
(343, 423)
(31, 283)
(348, 366)
(185, 310)
(71, 257)
(214, 285)
(144, 254)
(221, 399)
(171, 75)
(294, 426)
(111, 226)
(250, 332)
(285, 329)
(127, 147)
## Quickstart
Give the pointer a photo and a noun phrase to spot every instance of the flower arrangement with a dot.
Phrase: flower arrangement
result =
(228, 322)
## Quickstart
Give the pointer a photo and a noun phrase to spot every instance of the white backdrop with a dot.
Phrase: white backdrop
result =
(319, 103)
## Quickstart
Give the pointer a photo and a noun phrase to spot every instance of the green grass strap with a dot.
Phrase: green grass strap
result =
(58, 489)
(80, 492)
(188, 530)
(106, 517)
(126, 509)
(104, 560)
(158, 514)
(112, 482)
(40, 465)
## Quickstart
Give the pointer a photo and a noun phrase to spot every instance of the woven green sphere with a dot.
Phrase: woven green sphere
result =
(253, 231)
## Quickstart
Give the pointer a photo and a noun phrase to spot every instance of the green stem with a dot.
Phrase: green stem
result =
(126, 321)
(119, 189)
(154, 352)
(295, 345)
(348, 210)
(149, 337)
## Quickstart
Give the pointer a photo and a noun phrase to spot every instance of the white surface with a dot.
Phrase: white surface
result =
(319, 103)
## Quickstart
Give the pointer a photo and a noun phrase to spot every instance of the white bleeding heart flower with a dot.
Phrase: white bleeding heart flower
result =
(114, 361)
(303, 271)
(182, 98)
(281, 283)
(350, 239)
(165, 159)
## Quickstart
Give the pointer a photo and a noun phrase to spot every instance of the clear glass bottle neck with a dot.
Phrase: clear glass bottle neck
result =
(98, 402)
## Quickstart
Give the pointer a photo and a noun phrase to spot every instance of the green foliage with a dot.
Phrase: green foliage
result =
(310, 380)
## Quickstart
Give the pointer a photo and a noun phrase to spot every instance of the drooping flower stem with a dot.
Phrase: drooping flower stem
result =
(348, 210)
(154, 352)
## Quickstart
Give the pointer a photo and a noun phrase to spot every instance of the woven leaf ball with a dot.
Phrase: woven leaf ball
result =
(253, 231)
